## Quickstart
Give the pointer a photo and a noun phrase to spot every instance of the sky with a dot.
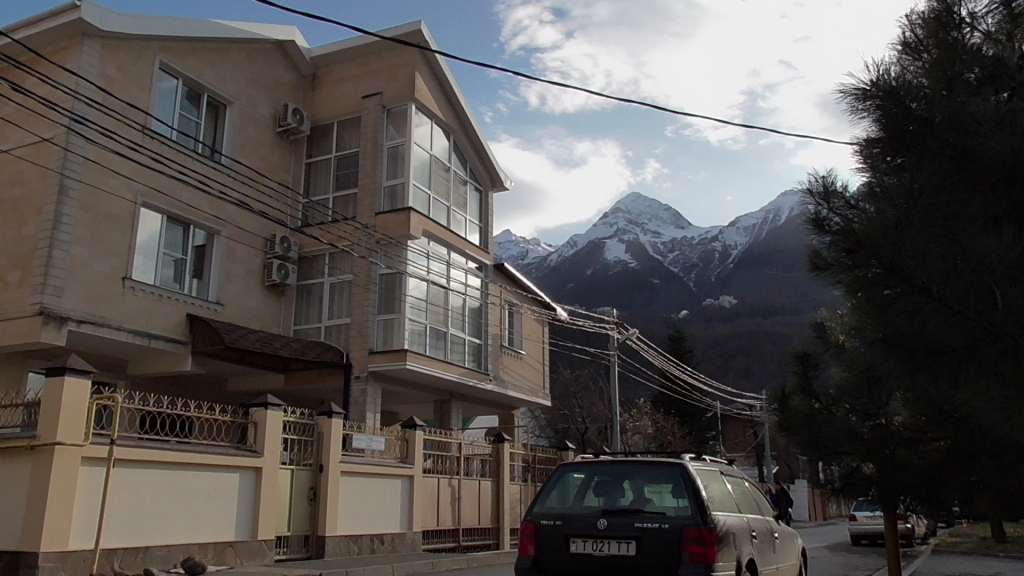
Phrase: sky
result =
(571, 156)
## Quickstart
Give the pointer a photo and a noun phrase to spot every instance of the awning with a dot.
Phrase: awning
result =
(261, 349)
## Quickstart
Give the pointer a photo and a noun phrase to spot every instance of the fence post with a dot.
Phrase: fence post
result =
(265, 411)
(413, 428)
(330, 420)
(566, 451)
(63, 410)
(503, 461)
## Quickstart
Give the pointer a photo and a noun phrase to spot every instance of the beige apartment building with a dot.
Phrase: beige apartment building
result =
(207, 213)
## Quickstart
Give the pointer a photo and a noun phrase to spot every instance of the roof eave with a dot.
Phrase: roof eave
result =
(528, 286)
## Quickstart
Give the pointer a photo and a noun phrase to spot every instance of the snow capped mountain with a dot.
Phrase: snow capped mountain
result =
(519, 250)
(698, 254)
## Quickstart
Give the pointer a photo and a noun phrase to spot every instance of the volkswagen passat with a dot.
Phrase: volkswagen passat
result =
(652, 517)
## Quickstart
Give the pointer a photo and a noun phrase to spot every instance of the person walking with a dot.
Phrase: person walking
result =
(783, 504)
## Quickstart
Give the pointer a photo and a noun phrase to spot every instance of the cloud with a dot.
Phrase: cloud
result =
(772, 62)
(561, 180)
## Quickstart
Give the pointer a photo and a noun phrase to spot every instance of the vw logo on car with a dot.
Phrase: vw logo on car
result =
(602, 524)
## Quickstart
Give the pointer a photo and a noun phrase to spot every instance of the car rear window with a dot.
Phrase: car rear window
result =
(592, 487)
(866, 506)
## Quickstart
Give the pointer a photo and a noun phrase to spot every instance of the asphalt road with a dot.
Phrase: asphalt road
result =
(829, 553)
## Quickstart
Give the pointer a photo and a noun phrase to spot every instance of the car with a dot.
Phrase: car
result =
(865, 524)
(654, 515)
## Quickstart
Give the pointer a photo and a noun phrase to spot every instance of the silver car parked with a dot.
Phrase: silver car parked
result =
(865, 524)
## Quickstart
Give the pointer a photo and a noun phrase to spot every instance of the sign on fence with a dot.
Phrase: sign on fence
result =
(367, 442)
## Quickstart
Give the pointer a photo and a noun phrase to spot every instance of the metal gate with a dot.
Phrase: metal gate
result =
(296, 504)
(459, 475)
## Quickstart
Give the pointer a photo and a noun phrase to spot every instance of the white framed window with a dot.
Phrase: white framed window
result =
(323, 298)
(173, 253)
(512, 325)
(331, 176)
(441, 184)
(440, 302)
(195, 118)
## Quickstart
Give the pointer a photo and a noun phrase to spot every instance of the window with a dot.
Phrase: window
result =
(743, 496)
(173, 254)
(331, 177)
(323, 298)
(441, 303)
(34, 383)
(193, 117)
(589, 488)
(719, 497)
(441, 184)
(512, 325)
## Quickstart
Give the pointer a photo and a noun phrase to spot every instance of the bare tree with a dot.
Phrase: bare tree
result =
(580, 410)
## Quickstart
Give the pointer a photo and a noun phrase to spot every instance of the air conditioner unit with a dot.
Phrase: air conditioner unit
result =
(282, 246)
(280, 273)
(293, 121)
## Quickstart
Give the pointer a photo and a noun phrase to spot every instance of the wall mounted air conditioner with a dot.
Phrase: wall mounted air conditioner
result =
(280, 273)
(282, 246)
(293, 121)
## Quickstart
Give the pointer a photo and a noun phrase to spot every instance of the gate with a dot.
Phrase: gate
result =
(529, 467)
(297, 488)
(460, 501)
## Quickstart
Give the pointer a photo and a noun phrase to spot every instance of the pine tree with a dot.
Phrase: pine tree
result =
(697, 422)
(928, 251)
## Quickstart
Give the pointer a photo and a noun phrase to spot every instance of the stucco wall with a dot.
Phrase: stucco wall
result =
(15, 474)
(374, 504)
(154, 504)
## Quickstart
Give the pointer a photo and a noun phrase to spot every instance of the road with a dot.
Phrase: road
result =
(829, 553)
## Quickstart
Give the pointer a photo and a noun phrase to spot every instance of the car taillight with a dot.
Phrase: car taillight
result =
(527, 540)
(852, 518)
(901, 517)
(699, 545)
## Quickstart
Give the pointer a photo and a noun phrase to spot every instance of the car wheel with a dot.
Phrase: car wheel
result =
(855, 541)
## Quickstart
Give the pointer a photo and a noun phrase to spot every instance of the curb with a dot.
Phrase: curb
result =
(477, 560)
(982, 554)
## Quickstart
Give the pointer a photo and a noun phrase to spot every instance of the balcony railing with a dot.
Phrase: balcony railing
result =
(19, 412)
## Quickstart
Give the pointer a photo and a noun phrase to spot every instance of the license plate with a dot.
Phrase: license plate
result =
(602, 547)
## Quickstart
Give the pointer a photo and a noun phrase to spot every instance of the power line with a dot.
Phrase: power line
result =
(548, 81)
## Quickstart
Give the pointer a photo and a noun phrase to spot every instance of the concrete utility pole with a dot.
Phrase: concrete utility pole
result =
(613, 347)
(769, 475)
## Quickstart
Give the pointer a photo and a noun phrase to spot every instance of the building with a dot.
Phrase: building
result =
(157, 176)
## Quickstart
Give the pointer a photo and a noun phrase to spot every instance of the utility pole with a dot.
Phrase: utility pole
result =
(769, 475)
(613, 348)
(721, 444)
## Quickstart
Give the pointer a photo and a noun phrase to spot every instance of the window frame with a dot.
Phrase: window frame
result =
(208, 284)
(333, 157)
(429, 252)
(197, 145)
(512, 336)
(401, 191)
(327, 281)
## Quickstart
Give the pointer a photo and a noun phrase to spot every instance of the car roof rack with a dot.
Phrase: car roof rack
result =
(674, 454)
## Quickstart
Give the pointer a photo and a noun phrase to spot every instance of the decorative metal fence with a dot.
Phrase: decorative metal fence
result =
(532, 464)
(155, 417)
(361, 440)
(447, 453)
(19, 412)
(298, 437)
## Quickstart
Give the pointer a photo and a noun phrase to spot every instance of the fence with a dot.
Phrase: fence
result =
(529, 467)
(293, 537)
(361, 440)
(155, 417)
(19, 412)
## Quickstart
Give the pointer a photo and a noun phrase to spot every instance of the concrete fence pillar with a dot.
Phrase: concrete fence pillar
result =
(266, 413)
(413, 429)
(330, 422)
(566, 451)
(63, 410)
(503, 462)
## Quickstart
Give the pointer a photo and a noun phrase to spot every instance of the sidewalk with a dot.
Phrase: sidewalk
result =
(382, 565)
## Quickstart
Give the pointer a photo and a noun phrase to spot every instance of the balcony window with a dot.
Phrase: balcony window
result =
(331, 176)
(189, 115)
(173, 254)
(436, 307)
(429, 172)
(323, 298)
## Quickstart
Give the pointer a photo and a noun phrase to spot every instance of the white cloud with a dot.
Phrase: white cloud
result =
(652, 169)
(560, 180)
(773, 62)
